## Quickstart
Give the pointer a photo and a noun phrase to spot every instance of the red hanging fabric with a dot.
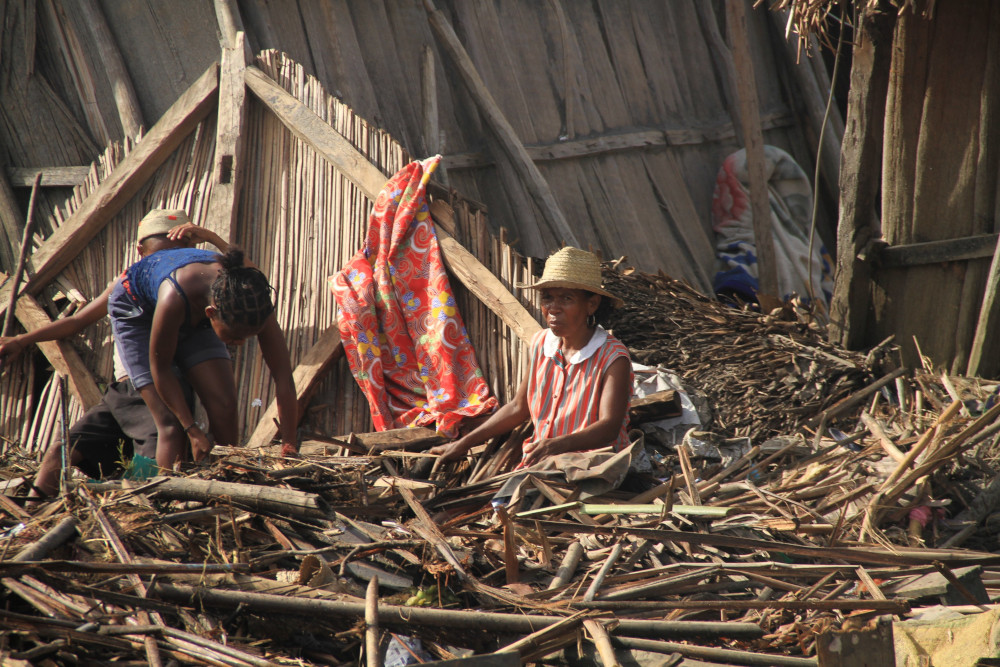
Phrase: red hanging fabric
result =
(403, 335)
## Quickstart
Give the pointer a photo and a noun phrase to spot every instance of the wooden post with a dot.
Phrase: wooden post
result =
(429, 94)
(519, 158)
(753, 137)
(860, 176)
(29, 228)
(372, 656)
(227, 170)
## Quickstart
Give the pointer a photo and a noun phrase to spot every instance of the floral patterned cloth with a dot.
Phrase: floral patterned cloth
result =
(803, 268)
(402, 332)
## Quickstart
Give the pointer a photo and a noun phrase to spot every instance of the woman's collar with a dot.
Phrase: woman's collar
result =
(551, 345)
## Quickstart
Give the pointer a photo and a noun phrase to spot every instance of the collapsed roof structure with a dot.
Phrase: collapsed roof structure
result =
(590, 126)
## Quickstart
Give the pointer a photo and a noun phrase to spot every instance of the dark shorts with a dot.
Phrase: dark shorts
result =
(108, 434)
(131, 327)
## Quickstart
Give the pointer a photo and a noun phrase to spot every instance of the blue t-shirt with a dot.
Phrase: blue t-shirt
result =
(146, 275)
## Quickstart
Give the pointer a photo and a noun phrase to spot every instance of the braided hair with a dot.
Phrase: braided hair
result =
(241, 294)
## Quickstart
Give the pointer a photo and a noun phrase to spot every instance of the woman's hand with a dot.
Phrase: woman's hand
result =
(534, 452)
(9, 349)
(453, 451)
(200, 444)
(195, 234)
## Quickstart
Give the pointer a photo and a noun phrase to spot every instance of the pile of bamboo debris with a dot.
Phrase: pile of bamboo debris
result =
(258, 560)
(762, 376)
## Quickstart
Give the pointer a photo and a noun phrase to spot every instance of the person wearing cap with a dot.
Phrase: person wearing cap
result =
(577, 389)
(121, 415)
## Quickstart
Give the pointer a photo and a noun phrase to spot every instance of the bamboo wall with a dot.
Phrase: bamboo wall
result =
(300, 221)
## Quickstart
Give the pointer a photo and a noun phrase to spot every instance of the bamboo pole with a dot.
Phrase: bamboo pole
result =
(753, 140)
(395, 615)
(372, 656)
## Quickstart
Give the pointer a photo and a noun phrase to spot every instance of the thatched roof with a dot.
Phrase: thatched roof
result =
(623, 106)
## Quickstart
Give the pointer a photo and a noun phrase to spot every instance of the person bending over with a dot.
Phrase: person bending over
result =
(121, 416)
(183, 307)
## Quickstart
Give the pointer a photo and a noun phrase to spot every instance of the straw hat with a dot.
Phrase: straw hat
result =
(575, 269)
(161, 221)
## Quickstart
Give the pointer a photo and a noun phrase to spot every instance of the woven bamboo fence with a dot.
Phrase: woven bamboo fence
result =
(300, 221)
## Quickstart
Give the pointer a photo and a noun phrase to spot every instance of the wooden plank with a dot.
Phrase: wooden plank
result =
(753, 137)
(934, 252)
(331, 145)
(63, 177)
(121, 185)
(310, 128)
(307, 375)
(621, 141)
(658, 405)
(60, 353)
(227, 171)
(519, 158)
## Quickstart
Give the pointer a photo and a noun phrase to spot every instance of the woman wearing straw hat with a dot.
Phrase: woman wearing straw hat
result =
(578, 386)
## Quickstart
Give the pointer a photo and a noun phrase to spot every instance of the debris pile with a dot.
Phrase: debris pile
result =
(872, 498)
(763, 376)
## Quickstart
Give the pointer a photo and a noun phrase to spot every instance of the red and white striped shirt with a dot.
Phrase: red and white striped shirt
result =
(564, 396)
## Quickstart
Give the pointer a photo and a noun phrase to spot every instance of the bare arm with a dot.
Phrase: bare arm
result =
(501, 421)
(275, 351)
(171, 311)
(615, 393)
(57, 329)
(197, 234)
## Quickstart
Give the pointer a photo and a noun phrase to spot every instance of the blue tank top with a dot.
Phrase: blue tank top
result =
(145, 276)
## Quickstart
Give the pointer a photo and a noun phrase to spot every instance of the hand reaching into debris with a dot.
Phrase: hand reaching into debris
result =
(200, 444)
(10, 348)
(453, 451)
(538, 450)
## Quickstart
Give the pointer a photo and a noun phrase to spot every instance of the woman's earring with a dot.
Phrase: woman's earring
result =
(591, 320)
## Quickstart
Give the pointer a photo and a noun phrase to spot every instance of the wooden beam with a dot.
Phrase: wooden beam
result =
(310, 370)
(621, 141)
(983, 355)
(860, 178)
(116, 190)
(331, 145)
(519, 158)
(227, 171)
(753, 137)
(110, 57)
(310, 128)
(64, 177)
(486, 287)
(11, 226)
(60, 353)
(935, 252)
